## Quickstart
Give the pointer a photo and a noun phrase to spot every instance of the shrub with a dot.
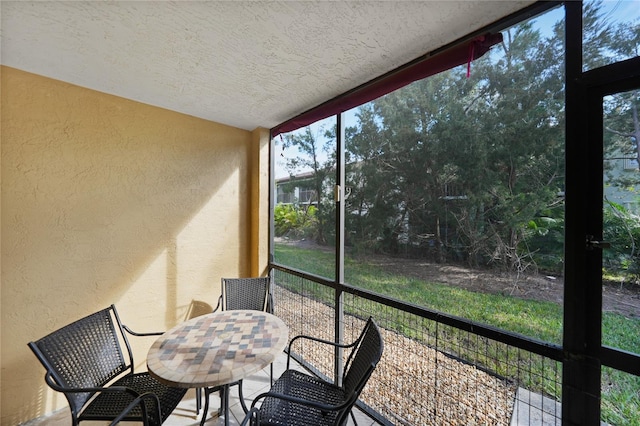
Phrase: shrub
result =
(622, 230)
(295, 221)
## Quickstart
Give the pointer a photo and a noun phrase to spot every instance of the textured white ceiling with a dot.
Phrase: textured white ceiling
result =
(247, 64)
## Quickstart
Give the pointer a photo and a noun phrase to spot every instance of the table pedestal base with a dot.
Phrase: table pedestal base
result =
(224, 403)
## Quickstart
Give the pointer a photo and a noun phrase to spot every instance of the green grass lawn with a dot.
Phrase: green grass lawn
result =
(537, 319)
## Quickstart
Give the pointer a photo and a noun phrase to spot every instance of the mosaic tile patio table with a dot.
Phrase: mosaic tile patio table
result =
(217, 349)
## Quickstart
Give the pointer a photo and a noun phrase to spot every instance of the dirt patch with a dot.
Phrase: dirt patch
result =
(615, 298)
(624, 300)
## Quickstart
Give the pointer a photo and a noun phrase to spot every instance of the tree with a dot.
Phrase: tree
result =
(518, 111)
(459, 165)
(623, 127)
(622, 123)
(319, 159)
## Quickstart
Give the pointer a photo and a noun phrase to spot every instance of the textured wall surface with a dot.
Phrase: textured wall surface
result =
(106, 200)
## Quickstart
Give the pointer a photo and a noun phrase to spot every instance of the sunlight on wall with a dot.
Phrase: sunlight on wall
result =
(106, 200)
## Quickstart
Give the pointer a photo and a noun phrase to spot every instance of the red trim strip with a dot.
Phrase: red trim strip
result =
(458, 55)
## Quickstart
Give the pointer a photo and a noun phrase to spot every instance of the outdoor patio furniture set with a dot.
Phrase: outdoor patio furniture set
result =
(90, 361)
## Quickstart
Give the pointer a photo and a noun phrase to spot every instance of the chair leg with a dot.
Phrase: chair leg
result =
(198, 400)
(353, 417)
(271, 378)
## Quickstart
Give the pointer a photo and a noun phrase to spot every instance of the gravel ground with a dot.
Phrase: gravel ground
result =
(413, 384)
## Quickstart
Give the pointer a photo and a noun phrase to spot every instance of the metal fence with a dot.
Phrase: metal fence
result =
(436, 369)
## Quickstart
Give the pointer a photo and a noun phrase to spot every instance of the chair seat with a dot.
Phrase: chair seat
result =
(297, 398)
(108, 405)
(274, 411)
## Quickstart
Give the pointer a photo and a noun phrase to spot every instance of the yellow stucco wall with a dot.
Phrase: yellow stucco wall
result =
(260, 219)
(106, 200)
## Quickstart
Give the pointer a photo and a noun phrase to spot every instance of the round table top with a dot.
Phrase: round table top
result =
(216, 349)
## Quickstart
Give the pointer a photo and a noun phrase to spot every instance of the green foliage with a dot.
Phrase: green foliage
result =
(453, 167)
(295, 221)
(620, 401)
(622, 230)
(311, 148)
(543, 241)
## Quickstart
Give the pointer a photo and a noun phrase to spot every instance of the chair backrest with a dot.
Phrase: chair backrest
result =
(247, 293)
(86, 353)
(363, 359)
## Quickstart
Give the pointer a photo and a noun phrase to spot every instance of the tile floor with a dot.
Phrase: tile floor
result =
(185, 413)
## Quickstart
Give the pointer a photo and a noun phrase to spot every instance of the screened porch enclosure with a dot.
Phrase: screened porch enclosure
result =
(453, 210)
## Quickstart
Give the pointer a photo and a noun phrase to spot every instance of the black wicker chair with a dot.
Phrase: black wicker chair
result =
(242, 293)
(85, 361)
(246, 293)
(297, 398)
